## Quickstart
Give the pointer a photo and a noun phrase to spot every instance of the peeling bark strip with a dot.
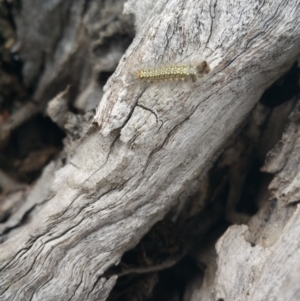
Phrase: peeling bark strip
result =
(148, 143)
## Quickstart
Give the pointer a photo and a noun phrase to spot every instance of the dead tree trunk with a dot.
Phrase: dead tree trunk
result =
(150, 141)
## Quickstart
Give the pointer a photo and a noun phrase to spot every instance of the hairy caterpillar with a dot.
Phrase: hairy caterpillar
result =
(184, 72)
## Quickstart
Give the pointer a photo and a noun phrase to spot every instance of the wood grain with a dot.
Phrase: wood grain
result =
(147, 143)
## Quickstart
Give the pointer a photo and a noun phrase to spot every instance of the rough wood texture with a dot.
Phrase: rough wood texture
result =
(149, 141)
(264, 229)
(265, 268)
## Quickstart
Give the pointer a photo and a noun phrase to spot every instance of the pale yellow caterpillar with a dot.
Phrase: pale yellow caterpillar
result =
(184, 72)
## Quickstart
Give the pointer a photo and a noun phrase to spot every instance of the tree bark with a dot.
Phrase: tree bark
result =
(149, 141)
(266, 254)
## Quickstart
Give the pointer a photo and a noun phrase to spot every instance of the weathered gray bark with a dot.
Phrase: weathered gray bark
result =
(263, 259)
(249, 260)
(149, 142)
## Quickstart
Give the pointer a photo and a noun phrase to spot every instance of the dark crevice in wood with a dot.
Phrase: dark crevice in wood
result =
(283, 89)
(37, 136)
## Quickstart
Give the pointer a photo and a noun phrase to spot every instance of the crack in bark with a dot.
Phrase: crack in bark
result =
(212, 22)
(148, 109)
(132, 109)
(169, 134)
(12, 259)
(56, 217)
(45, 283)
(106, 160)
(75, 290)
(30, 268)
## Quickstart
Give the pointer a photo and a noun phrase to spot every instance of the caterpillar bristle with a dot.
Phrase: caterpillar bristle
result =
(167, 73)
(176, 73)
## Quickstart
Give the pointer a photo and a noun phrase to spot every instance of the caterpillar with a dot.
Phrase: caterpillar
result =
(184, 72)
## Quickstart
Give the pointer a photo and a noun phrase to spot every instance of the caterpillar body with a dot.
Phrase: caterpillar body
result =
(184, 72)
